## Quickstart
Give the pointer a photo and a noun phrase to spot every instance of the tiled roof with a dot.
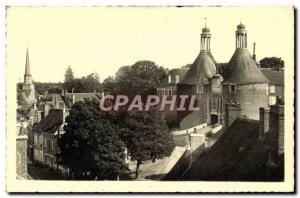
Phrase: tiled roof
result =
(242, 69)
(203, 67)
(276, 77)
(51, 123)
(181, 72)
(237, 156)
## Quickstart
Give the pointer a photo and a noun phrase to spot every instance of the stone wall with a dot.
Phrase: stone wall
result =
(22, 156)
(250, 97)
(232, 111)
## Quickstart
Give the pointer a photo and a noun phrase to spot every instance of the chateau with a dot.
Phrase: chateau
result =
(224, 91)
(231, 95)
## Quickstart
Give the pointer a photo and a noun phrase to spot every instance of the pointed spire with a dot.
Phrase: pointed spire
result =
(27, 66)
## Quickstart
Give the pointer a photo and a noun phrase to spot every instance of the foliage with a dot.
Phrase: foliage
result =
(90, 146)
(141, 77)
(273, 62)
(69, 75)
(51, 88)
(86, 84)
(146, 136)
(110, 85)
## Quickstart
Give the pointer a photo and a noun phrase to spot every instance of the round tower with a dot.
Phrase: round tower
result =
(244, 83)
(198, 82)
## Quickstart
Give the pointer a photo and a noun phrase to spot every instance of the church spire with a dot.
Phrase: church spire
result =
(27, 74)
(27, 66)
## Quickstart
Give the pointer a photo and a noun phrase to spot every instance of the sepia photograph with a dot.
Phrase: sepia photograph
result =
(150, 99)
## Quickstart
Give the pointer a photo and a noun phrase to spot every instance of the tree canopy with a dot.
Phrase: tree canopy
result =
(90, 146)
(85, 84)
(146, 136)
(141, 77)
(273, 62)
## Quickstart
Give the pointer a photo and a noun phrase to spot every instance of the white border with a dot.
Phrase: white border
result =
(93, 2)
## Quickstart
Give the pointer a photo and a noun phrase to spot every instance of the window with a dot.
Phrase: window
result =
(177, 79)
(199, 89)
(170, 92)
(45, 142)
(40, 139)
(35, 139)
(232, 88)
(272, 89)
(272, 100)
(169, 78)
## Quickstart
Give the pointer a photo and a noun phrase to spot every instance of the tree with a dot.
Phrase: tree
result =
(69, 75)
(85, 84)
(273, 62)
(110, 85)
(146, 136)
(90, 83)
(51, 88)
(142, 77)
(90, 146)
(69, 79)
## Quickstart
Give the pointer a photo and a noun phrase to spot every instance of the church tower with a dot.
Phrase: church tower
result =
(27, 95)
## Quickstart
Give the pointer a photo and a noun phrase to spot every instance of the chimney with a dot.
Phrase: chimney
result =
(264, 115)
(46, 110)
(65, 114)
(276, 131)
(254, 55)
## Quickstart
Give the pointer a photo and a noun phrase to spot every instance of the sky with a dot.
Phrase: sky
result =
(102, 39)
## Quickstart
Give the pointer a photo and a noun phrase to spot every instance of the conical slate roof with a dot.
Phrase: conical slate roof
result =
(203, 67)
(243, 69)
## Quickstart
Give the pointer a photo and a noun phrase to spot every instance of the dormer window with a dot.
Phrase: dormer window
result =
(199, 89)
(232, 88)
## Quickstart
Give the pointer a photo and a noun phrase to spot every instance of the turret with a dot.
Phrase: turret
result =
(205, 39)
(241, 36)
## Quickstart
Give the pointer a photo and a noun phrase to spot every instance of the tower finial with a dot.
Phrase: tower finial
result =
(205, 21)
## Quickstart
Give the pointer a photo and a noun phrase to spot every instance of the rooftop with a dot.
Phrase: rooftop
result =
(242, 69)
(51, 123)
(203, 67)
(237, 156)
(276, 77)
